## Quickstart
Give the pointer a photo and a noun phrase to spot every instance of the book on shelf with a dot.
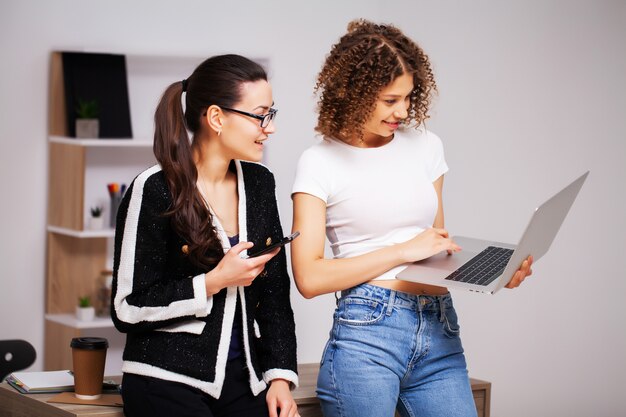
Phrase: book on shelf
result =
(40, 382)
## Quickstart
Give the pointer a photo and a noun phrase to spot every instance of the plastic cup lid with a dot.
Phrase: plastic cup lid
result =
(89, 343)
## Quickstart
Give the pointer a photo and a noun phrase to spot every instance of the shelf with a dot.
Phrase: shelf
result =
(70, 320)
(79, 170)
(83, 234)
(103, 142)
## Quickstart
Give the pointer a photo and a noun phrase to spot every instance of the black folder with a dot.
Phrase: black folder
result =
(100, 78)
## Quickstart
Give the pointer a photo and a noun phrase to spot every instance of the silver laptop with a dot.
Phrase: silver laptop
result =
(486, 266)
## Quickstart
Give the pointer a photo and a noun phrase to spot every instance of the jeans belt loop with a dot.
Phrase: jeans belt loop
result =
(392, 299)
(442, 308)
(421, 302)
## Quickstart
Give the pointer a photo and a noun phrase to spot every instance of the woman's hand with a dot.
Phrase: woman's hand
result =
(279, 398)
(234, 271)
(521, 273)
(428, 243)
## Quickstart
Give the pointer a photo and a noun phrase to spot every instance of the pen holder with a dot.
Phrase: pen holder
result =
(115, 205)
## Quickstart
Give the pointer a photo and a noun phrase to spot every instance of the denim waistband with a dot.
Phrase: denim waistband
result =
(400, 299)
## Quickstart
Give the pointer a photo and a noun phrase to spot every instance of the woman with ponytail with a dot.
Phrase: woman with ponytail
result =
(209, 331)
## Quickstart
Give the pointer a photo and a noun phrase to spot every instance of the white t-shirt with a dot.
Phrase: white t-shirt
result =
(375, 197)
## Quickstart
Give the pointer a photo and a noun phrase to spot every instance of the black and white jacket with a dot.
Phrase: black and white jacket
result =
(174, 330)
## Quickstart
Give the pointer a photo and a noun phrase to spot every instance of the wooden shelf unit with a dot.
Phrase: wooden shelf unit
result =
(78, 171)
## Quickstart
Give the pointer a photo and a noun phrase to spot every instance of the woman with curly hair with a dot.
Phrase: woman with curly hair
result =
(373, 186)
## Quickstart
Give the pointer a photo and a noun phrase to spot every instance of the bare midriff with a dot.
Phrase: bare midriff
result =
(410, 287)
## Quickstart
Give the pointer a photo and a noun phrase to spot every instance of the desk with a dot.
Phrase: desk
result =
(14, 404)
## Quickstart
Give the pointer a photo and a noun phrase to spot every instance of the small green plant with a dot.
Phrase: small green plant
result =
(87, 109)
(96, 211)
(84, 301)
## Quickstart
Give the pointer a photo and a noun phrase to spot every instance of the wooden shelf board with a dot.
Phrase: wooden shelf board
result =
(70, 320)
(103, 142)
(83, 234)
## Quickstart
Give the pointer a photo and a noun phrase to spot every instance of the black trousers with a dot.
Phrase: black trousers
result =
(152, 397)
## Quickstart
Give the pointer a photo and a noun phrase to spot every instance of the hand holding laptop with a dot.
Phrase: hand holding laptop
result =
(521, 274)
(486, 266)
(434, 240)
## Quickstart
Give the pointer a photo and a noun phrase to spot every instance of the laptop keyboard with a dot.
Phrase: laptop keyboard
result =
(483, 268)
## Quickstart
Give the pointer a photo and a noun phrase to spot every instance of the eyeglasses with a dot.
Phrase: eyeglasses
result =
(264, 118)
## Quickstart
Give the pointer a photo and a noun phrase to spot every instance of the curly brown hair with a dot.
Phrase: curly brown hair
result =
(364, 61)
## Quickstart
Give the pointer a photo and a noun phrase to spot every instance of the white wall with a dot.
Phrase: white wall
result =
(531, 94)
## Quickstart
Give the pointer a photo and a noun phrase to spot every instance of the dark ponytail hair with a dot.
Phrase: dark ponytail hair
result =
(217, 81)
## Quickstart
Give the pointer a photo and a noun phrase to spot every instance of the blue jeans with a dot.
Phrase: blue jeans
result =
(391, 350)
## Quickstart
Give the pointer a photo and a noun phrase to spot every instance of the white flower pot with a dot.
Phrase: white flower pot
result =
(85, 313)
(87, 128)
(96, 223)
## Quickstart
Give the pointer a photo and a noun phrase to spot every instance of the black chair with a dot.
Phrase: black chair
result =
(15, 355)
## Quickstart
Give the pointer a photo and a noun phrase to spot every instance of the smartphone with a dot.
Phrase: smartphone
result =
(260, 250)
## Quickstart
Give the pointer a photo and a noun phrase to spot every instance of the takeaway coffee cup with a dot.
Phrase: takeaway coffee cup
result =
(88, 357)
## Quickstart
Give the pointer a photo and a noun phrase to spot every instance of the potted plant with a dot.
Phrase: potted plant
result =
(87, 124)
(96, 222)
(85, 311)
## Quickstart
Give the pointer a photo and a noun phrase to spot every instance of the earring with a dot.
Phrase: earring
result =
(219, 132)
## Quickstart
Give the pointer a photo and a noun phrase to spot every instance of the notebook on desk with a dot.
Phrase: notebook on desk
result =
(486, 266)
(39, 382)
(42, 382)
